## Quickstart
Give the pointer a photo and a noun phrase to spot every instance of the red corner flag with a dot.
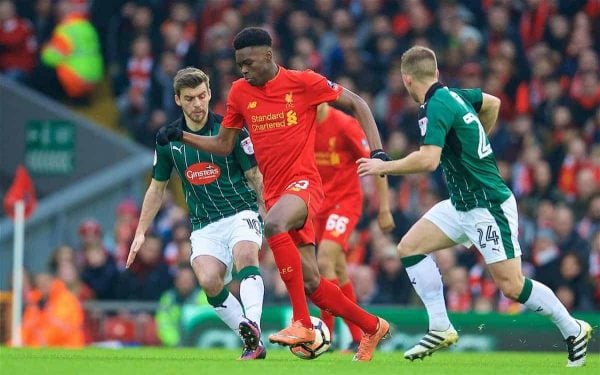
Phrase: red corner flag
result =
(21, 189)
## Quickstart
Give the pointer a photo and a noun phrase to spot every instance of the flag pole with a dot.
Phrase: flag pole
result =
(17, 305)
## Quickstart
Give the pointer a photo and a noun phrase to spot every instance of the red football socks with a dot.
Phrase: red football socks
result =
(326, 316)
(329, 296)
(289, 264)
(355, 331)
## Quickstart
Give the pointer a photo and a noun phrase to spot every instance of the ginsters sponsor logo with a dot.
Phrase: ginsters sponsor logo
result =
(202, 173)
(273, 121)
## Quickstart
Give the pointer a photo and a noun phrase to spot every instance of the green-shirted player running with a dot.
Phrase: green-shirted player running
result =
(226, 230)
(481, 210)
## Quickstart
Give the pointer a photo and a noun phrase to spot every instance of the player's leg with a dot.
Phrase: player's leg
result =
(326, 255)
(332, 265)
(246, 238)
(497, 240)
(334, 229)
(328, 296)
(437, 229)
(290, 211)
(540, 299)
(212, 262)
(341, 271)
(210, 272)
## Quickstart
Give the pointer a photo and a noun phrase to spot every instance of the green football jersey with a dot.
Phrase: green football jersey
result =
(214, 186)
(448, 119)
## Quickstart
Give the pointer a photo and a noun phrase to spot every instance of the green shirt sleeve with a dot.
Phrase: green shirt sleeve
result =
(244, 151)
(473, 96)
(437, 123)
(163, 163)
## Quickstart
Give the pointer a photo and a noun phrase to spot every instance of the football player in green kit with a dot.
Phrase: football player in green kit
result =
(454, 124)
(221, 194)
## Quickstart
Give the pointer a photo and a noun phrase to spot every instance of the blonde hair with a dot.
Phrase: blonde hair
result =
(419, 62)
(189, 77)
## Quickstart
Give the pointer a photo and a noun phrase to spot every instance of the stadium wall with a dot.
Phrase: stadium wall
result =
(107, 168)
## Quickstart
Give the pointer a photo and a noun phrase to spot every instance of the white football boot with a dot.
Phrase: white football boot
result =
(432, 341)
(577, 345)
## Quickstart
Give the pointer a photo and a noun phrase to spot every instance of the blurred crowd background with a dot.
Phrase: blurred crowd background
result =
(539, 56)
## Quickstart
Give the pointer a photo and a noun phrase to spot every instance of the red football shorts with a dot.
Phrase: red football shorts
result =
(336, 225)
(312, 195)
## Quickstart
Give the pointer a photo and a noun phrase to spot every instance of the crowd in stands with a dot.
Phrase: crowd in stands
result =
(541, 57)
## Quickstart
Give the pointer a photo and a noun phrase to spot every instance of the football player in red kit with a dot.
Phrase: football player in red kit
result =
(278, 107)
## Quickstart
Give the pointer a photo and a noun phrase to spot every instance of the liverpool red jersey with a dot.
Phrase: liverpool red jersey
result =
(340, 142)
(280, 117)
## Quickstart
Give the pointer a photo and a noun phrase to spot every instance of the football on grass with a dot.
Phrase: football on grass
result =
(319, 346)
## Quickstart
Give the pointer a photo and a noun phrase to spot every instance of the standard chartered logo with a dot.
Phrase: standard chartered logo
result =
(292, 118)
(272, 121)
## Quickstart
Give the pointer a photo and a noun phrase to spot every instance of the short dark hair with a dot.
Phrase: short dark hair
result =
(189, 77)
(252, 36)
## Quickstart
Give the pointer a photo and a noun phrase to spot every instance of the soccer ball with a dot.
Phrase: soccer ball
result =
(319, 346)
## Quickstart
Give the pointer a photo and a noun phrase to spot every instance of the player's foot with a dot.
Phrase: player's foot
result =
(577, 345)
(352, 348)
(295, 334)
(259, 352)
(250, 333)
(432, 341)
(368, 343)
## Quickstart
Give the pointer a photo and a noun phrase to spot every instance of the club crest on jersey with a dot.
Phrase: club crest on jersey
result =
(247, 146)
(423, 125)
(332, 85)
(289, 100)
(202, 173)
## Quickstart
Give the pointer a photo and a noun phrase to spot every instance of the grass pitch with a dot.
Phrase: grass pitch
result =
(162, 361)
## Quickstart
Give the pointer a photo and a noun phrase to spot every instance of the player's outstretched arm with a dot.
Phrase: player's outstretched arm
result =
(152, 201)
(221, 144)
(426, 159)
(488, 114)
(363, 114)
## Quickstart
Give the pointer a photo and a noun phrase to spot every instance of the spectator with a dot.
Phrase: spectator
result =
(72, 57)
(147, 278)
(393, 285)
(100, 272)
(568, 239)
(53, 316)
(589, 225)
(18, 45)
(573, 276)
(68, 274)
(171, 303)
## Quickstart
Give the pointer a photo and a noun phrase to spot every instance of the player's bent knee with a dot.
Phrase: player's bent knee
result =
(211, 284)
(274, 227)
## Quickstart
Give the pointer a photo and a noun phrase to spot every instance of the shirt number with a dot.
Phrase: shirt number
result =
(337, 223)
(483, 148)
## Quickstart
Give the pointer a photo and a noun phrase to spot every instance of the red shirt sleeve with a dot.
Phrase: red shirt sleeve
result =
(320, 89)
(233, 116)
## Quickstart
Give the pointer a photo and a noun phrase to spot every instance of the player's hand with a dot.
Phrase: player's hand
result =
(385, 221)
(138, 240)
(168, 134)
(368, 166)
